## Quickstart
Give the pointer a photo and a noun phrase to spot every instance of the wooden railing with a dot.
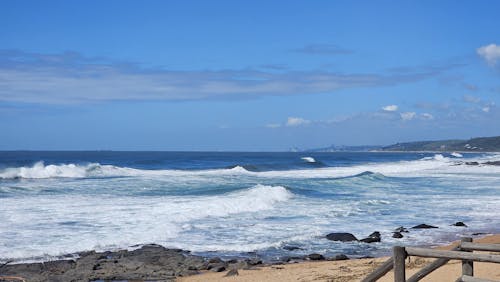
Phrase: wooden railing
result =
(463, 252)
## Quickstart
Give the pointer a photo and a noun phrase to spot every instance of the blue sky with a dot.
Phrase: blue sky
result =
(245, 75)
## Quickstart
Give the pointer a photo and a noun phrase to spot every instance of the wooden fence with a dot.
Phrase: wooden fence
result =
(463, 252)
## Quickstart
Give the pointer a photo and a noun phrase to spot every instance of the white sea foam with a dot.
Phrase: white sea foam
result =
(86, 222)
(308, 159)
(457, 155)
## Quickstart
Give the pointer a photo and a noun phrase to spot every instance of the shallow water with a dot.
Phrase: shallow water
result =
(238, 204)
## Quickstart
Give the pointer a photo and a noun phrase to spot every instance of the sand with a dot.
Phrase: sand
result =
(352, 270)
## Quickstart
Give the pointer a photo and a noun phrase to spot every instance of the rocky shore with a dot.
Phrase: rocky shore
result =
(157, 263)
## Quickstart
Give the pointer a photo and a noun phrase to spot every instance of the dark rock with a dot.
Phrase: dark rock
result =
(343, 237)
(291, 248)
(397, 235)
(459, 223)
(340, 257)
(423, 226)
(253, 261)
(401, 229)
(478, 233)
(315, 257)
(231, 261)
(293, 259)
(232, 272)
(150, 262)
(471, 163)
(372, 238)
(492, 163)
(215, 260)
(218, 267)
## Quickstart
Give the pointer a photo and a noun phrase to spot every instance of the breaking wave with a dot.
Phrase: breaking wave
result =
(426, 166)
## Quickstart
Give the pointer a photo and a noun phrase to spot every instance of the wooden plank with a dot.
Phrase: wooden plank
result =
(429, 268)
(467, 265)
(431, 253)
(480, 247)
(467, 278)
(380, 271)
(399, 256)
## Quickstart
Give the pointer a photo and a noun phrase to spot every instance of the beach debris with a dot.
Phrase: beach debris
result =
(460, 224)
(372, 238)
(315, 257)
(342, 237)
(397, 235)
(424, 226)
(232, 272)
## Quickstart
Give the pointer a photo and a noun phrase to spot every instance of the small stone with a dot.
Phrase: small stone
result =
(291, 248)
(459, 223)
(341, 257)
(315, 257)
(232, 272)
(401, 229)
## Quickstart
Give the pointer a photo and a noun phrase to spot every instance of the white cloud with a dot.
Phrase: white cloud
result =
(471, 99)
(390, 108)
(408, 115)
(297, 121)
(426, 116)
(490, 53)
(486, 109)
(72, 78)
(273, 125)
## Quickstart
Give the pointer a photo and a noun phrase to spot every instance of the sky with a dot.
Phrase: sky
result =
(246, 75)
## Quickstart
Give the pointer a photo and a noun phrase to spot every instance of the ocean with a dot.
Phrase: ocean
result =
(231, 204)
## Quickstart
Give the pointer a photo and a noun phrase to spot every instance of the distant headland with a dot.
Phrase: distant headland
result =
(478, 144)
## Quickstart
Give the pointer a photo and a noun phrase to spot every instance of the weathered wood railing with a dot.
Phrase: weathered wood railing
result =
(463, 252)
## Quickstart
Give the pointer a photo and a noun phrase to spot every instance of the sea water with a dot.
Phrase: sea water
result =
(239, 204)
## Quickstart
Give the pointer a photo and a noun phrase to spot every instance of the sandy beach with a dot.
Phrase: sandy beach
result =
(351, 270)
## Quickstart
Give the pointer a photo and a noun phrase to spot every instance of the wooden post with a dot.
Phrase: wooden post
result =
(467, 265)
(399, 256)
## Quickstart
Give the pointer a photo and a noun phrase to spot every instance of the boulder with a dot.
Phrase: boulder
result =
(424, 226)
(459, 223)
(342, 237)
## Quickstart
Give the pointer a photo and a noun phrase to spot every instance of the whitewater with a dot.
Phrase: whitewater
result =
(239, 204)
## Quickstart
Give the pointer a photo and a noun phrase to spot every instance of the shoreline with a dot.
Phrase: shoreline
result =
(157, 263)
(352, 270)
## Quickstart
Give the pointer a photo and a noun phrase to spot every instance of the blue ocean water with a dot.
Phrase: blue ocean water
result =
(239, 204)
